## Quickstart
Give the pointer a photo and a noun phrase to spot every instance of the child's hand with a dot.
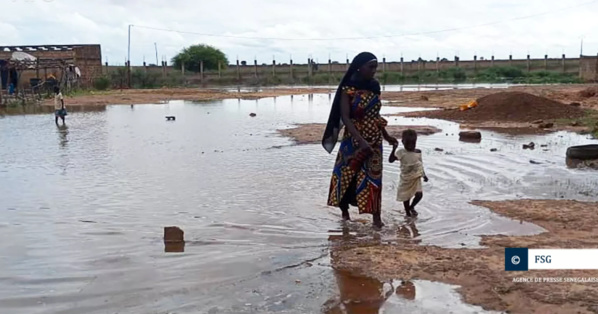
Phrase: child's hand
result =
(426, 179)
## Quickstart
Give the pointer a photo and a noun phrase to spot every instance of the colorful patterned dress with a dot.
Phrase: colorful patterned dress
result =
(361, 187)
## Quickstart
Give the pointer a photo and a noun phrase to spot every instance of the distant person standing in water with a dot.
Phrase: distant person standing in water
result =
(59, 108)
(357, 175)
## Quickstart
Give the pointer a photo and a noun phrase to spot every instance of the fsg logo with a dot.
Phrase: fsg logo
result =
(543, 259)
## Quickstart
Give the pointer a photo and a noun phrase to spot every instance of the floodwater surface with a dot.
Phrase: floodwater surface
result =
(83, 209)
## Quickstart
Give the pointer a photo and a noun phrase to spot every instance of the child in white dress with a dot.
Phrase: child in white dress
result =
(412, 172)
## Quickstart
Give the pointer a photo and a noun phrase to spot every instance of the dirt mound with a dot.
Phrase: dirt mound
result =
(589, 92)
(511, 107)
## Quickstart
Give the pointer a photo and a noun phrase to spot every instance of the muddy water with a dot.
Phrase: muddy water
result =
(84, 207)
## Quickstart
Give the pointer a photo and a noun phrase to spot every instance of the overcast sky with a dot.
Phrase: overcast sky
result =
(415, 28)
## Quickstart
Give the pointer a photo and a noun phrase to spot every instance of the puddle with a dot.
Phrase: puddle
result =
(362, 295)
(254, 217)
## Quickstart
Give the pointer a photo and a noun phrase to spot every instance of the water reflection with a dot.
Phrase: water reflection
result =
(578, 163)
(63, 131)
(406, 290)
(174, 247)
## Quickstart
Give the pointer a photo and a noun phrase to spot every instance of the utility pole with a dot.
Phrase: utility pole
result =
(156, 45)
(129, 58)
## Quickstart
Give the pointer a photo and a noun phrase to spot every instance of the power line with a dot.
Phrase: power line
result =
(374, 37)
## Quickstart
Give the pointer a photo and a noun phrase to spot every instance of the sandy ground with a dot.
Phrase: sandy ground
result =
(153, 96)
(480, 272)
(455, 97)
(451, 99)
(312, 133)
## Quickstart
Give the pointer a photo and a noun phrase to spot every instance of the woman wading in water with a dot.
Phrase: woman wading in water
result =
(357, 175)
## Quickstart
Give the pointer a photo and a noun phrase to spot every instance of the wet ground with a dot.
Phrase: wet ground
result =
(84, 207)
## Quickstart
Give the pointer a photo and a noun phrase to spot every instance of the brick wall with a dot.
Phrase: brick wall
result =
(87, 57)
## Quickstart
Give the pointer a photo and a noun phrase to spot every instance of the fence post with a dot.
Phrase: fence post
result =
(456, 61)
(219, 70)
(492, 61)
(402, 66)
(273, 68)
(529, 64)
(255, 68)
(347, 63)
(563, 61)
(201, 71)
(291, 68)
(475, 65)
(308, 67)
(545, 62)
(384, 65)
(238, 71)
(510, 60)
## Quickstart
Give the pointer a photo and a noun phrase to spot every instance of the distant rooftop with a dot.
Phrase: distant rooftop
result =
(42, 47)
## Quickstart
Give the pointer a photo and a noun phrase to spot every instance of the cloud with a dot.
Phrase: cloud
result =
(106, 23)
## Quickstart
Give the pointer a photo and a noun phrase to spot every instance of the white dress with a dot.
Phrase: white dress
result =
(412, 171)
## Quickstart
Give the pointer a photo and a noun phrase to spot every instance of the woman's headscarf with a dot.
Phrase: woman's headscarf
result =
(335, 122)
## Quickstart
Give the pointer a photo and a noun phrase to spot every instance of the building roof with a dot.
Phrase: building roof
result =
(43, 47)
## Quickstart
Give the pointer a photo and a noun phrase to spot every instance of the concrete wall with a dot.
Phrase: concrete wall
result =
(589, 68)
(585, 67)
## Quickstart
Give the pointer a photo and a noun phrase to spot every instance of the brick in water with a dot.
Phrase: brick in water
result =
(173, 234)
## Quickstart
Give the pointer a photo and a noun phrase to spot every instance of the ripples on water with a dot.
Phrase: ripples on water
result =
(84, 206)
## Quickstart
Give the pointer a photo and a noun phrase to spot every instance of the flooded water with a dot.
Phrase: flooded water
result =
(386, 88)
(84, 207)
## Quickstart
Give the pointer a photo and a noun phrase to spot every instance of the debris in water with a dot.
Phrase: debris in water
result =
(533, 162)
(252, 114)
(438, 149)
(470, 136)
(531, 145)
(546, 125)
(170, 118)
(493, 149)
(174, 240)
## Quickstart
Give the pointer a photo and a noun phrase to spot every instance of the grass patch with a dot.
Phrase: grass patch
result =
(589, 121)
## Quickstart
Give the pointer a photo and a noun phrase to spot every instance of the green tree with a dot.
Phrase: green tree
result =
(193, 55)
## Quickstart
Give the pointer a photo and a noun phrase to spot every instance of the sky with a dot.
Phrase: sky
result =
(320, 29)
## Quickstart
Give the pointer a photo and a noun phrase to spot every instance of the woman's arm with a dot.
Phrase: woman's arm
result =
(346, 116)
(391, 140)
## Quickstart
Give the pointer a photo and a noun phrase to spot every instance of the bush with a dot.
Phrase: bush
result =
(456, 75)
(102, 83)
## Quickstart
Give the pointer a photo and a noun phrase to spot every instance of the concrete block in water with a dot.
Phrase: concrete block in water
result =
(173, 234)
(470, 136)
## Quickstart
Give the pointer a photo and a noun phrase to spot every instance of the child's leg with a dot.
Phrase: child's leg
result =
(407, 208)
(56, 118)
(418, 197)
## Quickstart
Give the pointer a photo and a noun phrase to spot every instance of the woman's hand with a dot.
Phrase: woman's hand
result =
(365, 146)
(392, 141)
